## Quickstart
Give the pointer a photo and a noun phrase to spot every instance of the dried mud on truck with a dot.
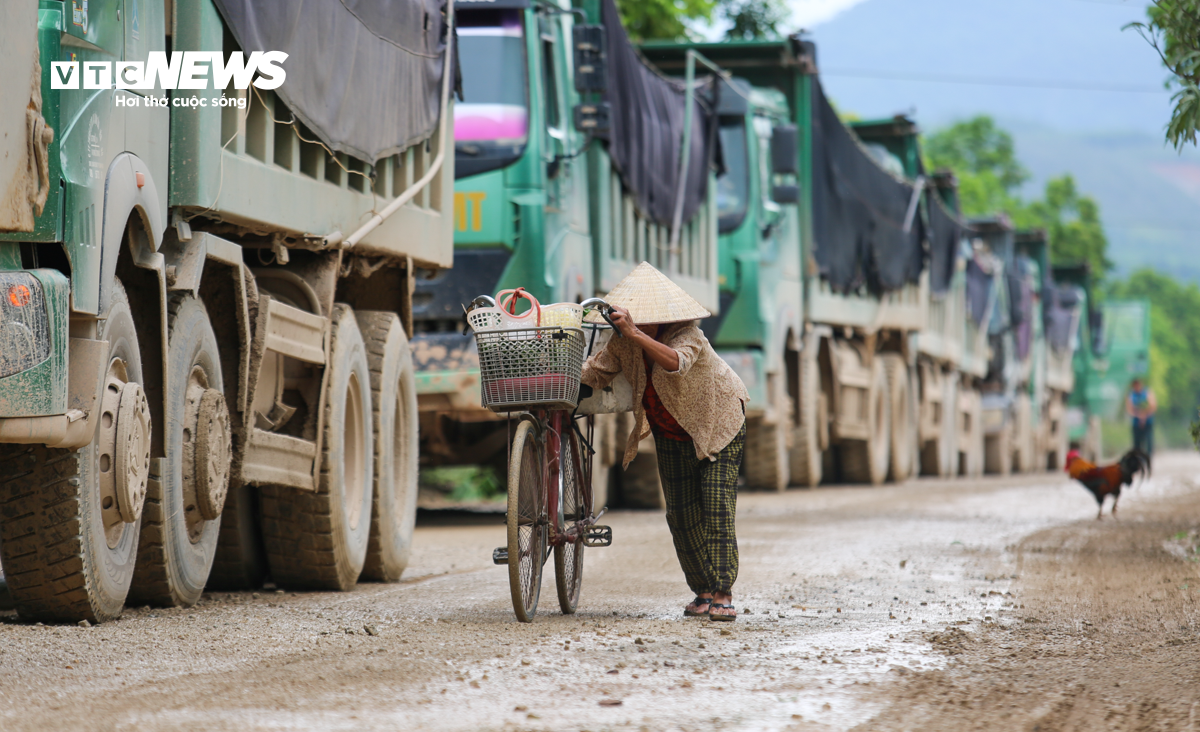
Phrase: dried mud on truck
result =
(207, 277)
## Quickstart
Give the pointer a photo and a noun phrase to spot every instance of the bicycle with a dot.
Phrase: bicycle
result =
(534, 371)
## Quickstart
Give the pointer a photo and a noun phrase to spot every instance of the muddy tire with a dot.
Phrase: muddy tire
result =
(179, 532)
(576, 507)
(609, 451)
(1023, 448)
(970, 433)
(65, 558)
(638, 486)
(394, 397)
(998, 451)
(804, 459)
(526, 522)
(241, 561)
(641, 486)
(1057, 440)
(318, 540)
(903, 435)
(868, 461)
(948, 442)
(767, 439)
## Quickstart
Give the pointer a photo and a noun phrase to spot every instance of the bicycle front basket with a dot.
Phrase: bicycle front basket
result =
(530, 368)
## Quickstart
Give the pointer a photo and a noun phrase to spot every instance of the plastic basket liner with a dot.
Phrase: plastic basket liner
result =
(505, 317)
(530, 367)
(559, 315)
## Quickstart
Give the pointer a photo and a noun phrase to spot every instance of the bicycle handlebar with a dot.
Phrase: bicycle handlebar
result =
(604, 309)
(483, 301)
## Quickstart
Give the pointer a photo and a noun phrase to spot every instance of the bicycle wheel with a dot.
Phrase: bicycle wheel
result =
(526, 522)
(576, 507)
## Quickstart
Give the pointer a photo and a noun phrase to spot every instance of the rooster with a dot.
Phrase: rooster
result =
(1107, 480)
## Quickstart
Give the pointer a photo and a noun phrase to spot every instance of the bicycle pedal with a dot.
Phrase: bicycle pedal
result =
(500, 555)
(598, 536)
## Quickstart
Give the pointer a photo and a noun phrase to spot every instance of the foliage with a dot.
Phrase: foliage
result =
(1173, 29)
(662, 19)
(1073, 224)
(983, 157)
(464, 483)
(1174, 338)
(753, 19)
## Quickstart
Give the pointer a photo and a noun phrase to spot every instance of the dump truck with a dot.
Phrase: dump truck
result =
(951, 349)
(1053, 377)
(212, 233)
(827, 294)
(1112, 348)
(553, 195)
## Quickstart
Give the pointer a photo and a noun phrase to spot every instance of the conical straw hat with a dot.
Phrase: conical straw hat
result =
(651, 297)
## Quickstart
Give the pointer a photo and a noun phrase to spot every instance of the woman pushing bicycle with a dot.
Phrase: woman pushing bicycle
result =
(694, 404)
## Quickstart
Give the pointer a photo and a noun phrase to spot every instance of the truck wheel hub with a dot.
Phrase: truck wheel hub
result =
(212, 454)
(124, 451)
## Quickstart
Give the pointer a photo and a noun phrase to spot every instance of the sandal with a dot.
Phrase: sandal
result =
(689, 613)
(719, 617)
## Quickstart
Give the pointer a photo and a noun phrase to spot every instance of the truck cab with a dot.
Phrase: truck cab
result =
(759, 245)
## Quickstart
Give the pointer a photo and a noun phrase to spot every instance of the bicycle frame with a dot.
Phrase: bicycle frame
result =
(550, 426)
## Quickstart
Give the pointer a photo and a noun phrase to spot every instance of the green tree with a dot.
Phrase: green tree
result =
(1173, 29)
(983, 158)
(1174, 338)
(1073, 223)
(753, 19)
(662, 19)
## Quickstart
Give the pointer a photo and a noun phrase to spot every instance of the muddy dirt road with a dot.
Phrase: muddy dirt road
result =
(996, 604)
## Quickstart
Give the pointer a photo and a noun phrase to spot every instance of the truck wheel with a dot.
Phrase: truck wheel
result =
(997, 451)
(932, 457)
(867, 461)
(608, 454)
(896, 372)
(804, 459)
(182, 518)
(394, 396)
(1093, 449)
(240, 562)
(640, 484)
(1023, 441)
(318, 540)
(1056, 430)
(975, 442)
(948, 442)
(71, 518)
(767, 443)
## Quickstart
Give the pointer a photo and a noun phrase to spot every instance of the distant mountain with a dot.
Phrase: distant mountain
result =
(1062, 63)
(1149, 196)
(1061, 76)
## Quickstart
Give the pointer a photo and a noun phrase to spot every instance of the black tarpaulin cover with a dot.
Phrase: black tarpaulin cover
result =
(979, 290)
(364, 75)
(945, 244)
(859, 211)
(647, 128)
(1060, 304)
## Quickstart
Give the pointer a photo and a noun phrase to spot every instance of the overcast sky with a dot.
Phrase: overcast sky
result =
(810, 13)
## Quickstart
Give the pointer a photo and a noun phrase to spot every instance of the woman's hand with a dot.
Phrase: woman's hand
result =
(660, 353)
(623, 322)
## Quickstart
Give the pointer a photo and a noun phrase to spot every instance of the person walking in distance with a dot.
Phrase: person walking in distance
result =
(1141, 405)
(694, 404)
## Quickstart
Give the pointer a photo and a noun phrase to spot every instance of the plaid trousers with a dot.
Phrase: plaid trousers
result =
(701, 504)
